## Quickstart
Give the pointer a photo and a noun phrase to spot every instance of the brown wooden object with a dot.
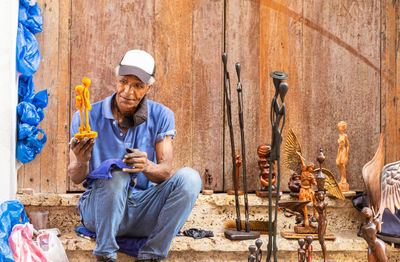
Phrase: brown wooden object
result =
(264, 155)
(342, 157)
(321, 207)
(301, 252)
(208, 182)
(238, 165)
(376, 247)
(309, 248)
(294, 235)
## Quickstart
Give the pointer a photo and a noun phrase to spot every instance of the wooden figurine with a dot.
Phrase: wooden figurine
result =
(376, 247)
(309, 248)
(322, 221)
(264, 154)
(84, 106)
(208, 183)
(342, 157)
(294, 184)
(301, 251)
(295, 161)
(238, 163)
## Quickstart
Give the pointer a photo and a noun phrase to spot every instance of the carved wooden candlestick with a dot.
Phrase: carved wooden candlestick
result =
(238, 159)
(264, 154)
(208, 183)
(84, 106)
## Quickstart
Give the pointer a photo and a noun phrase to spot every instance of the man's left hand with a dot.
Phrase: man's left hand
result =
(137, 160)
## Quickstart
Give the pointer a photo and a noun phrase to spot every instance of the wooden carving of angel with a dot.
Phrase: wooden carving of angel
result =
(383, 188)
(295, 161)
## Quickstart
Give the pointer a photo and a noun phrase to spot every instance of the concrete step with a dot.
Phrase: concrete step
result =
(210, 213)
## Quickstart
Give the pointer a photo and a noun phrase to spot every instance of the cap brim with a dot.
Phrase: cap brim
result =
(125, 70)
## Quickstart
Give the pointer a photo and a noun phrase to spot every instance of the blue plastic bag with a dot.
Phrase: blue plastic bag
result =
(25, 130)
(27, 113)
(40, 100)
(26, 89)
(31, 17)
(11, 213)
(28, 55)
(28, 148)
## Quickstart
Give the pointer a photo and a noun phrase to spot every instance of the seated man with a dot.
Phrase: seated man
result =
(143, 199)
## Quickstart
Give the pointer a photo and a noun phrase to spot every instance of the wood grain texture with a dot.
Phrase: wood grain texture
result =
(242, 45)
(173, 55)
(207, 137)
(390, 76)
(341, 76)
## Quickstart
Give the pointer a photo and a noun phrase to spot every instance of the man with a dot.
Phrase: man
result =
(143, 199)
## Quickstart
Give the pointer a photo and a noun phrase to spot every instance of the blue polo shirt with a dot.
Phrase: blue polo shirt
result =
(112, 142)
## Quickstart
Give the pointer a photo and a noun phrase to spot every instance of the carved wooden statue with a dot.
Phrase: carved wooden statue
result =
(376, 247)
(264, 154)
(301, 251)
(322, 221)
(238, 162)
(208, 183)
(84, 106)
(382, 184)
(295, 161)
(342, 157)
(294, 184)
(309, 248)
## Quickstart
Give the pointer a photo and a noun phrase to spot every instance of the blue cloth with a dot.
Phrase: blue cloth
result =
(111, 210)
(112, 142)
(127, 245)
(104, 171)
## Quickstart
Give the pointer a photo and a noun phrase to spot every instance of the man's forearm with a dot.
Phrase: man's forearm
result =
(78, 171)
(157, 173)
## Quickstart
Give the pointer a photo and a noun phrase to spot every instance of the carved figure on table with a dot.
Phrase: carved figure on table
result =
(264, 154)
(295, 162)
(376, 247)
(321, 207)
(306, 190)
(301, 251)
(208, 183)
(294, 184)
(342, 157)
(84, 106)
(238, 163)
(294, 208)
(309, 248)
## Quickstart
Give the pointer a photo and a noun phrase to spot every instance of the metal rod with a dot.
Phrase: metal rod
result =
(241, 123)
(227, 85)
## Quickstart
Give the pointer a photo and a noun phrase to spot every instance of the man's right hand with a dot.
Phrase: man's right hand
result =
(82, 149)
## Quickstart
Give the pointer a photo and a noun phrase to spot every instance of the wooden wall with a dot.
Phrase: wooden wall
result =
(341, 57)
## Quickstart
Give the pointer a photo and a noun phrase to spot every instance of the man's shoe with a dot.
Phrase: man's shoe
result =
(105, 259)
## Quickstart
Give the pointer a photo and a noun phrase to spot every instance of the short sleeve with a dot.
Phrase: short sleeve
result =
(166, 125)
(75, 123)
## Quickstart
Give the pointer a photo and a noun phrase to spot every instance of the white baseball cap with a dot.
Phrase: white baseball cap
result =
(138, 63)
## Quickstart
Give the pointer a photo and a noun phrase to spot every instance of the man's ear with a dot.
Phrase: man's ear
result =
(149, 87)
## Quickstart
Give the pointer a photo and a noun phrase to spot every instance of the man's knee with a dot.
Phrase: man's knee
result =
(189, 180)
(118, 181)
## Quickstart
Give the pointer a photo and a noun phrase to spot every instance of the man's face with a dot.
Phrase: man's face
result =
(130, 91)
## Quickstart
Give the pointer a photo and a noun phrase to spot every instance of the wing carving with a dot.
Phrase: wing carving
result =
(372, 172)
(291, 159)
(331, 184)
(390, 188)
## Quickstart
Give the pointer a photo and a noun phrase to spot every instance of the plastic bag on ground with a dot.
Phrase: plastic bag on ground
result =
(28, 148)
(28, 55)
(23, 247)
(11, 213)
(51, 247)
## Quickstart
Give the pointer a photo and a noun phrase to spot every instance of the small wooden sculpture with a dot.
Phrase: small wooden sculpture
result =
(376, 247)
(238, 159)
(309, 248)
(84, 106)
(294, 184)
(342, 157)
(264, 154)
(322, 221)
(301, 251)
(295, 161)
(208, 182)
(255, 252)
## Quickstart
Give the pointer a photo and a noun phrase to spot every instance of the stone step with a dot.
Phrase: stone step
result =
(210, 211)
